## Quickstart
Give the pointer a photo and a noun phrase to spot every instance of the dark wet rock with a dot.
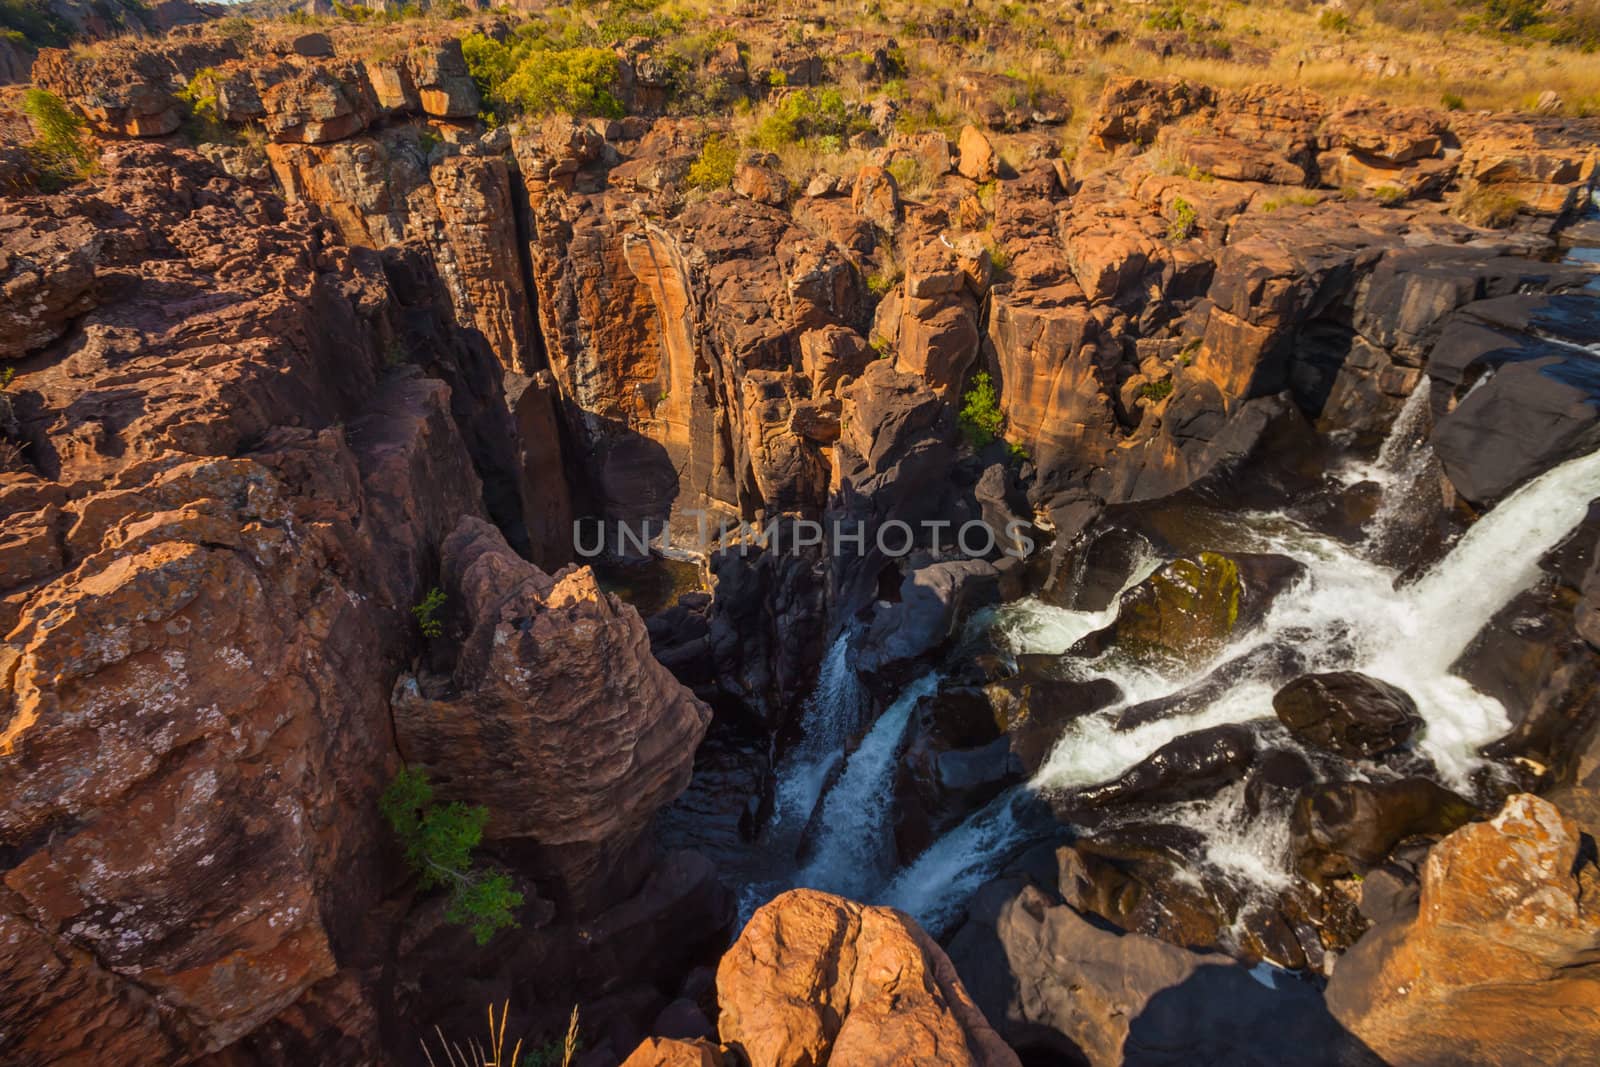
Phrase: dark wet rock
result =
(956, 760)
(1528, 391)
(1278, 777)
(933, 601)
(1061, 989)
(1190, 608)
(1036, 710)
(1346, 827)
(1194, 765)
(1089, 571)
(1266, 665)
(1348, 713)
(1004, 507)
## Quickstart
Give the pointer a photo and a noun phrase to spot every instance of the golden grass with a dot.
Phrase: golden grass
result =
(1049, 48)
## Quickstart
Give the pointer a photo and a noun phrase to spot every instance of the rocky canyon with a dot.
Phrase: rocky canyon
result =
(751, 534)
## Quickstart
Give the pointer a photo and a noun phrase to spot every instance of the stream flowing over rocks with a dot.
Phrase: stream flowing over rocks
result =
(1268, 733)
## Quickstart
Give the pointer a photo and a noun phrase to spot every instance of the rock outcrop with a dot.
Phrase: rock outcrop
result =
(227, 505)
(1498, 965)
(816, 979)
(548, 668)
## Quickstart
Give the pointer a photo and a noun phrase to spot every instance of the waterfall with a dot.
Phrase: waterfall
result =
(1402, 470)
(855, 836)
(831, 715)
(1498, 558)
(1355, 617)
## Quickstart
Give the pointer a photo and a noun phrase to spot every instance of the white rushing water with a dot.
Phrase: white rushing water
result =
(854, 844)
(831, 716)
(1345, 614)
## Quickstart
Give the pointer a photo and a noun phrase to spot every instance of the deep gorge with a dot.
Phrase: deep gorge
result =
(1275, 744)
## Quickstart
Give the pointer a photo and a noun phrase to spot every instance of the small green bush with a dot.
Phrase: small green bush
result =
(714, 169)
(574, 80)
(1452, 102)
(33, 24)
(1389, 195)
(60, 149)
(1184, 220)
(1156, 390)
(1490, 207)
(438, 843)
(981, 418)
(807, 114)
(427, 613)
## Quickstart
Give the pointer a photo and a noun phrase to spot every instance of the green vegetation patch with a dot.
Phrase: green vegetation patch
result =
(438, 841)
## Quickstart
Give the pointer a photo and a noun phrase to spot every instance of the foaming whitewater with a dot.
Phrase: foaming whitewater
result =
(1346, 613)
(831, 715)
(854, 840)
(1403, 468)
(936, 886)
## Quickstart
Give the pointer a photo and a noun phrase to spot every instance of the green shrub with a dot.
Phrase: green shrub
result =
(438, 843)
(714, 169)
(1331, 21)
(237, 29)
(427, 613)
(1172, 17)
(1452, 102)
(527, 74)
(1490, 207)
(879, 282)
(205, 116)
(1156, 390)
(981, 418)
(907, 172)
(1389, 195)
(807, 114)
(574, 80)
(60, 149)
(1184, 220)
(33, 24)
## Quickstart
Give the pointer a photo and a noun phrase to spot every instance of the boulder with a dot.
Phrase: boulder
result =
(816, 979)
(1498, 964)
(1529, 391)
(1036, 711)
(1347, 713)
(757, 176)
(47, 271)
(670, 1052)
(875, 196)
(1192, 766)
(977, 160)
(1062, 989)
(1347, 827)
(933, 601)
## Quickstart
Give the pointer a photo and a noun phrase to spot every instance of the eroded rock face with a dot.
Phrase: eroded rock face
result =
(238, 503)
(1498, 964)
(547, 668)
(817, 979)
